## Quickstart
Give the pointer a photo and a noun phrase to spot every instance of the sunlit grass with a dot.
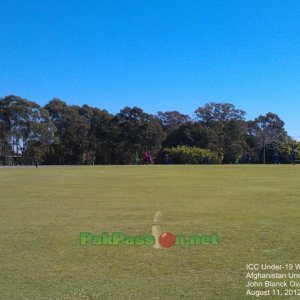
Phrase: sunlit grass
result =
(254, 209)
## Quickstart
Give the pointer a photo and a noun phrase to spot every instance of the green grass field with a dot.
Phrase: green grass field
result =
(254, 209)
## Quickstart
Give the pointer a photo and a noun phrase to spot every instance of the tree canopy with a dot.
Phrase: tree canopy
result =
(59, 133)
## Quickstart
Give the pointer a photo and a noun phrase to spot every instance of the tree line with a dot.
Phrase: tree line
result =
(69, 134)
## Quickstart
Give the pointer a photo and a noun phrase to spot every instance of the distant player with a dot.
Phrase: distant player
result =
(276, 156)
(166, 159)
(248, 158)
(207, 159)
(146, 157)
(293, 156)
(137, 159)
(150, 160)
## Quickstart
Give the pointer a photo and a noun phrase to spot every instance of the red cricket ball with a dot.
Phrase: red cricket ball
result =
(167, 239)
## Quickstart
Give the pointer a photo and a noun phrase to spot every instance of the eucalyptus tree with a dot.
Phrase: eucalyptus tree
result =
(26, 129)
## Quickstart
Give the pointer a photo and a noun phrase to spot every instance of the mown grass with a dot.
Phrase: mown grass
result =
(254, 209)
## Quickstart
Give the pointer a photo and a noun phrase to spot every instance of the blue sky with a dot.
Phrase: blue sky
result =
(158, 55)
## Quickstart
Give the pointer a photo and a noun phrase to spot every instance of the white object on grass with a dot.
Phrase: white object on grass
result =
(157, 230)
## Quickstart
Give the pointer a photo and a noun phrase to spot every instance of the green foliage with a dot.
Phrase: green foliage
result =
(64, 134)
(284, 152)
(191, 155)
(190, 134)
(171, 119)
(26, 130)
(219, 112)
(136, 131)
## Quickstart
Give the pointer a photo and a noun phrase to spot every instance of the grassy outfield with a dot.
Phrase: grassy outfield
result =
(254, 209)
